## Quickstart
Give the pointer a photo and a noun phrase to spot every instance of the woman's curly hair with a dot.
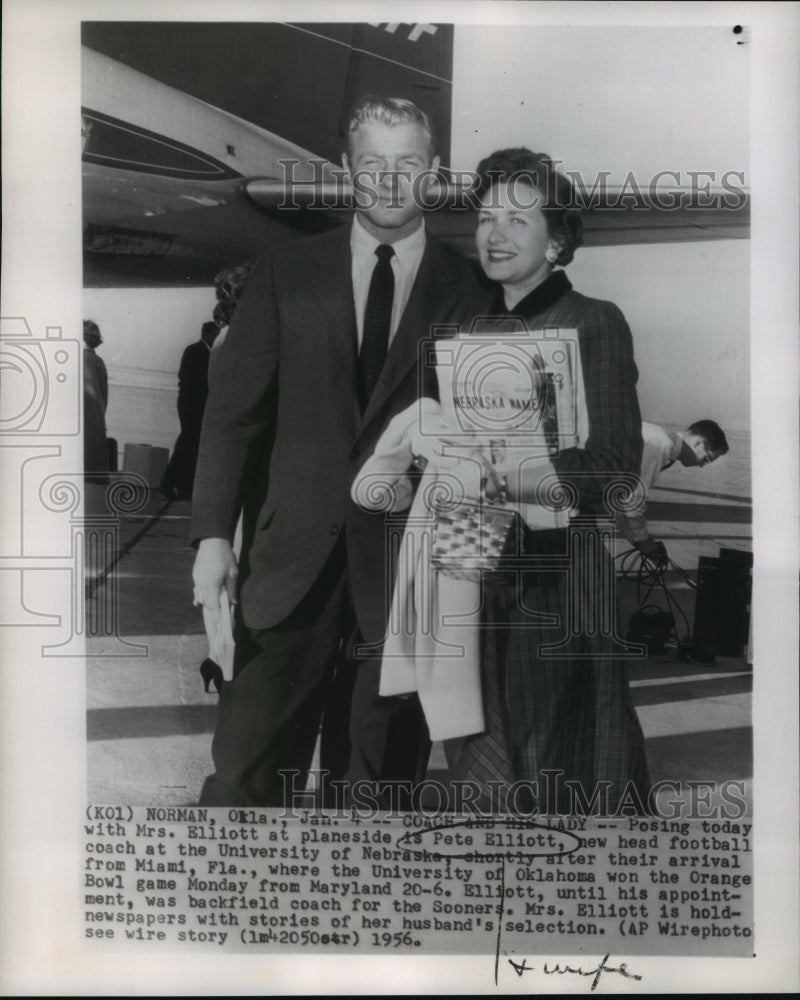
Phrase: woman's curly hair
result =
(229, 285)
(537, 169)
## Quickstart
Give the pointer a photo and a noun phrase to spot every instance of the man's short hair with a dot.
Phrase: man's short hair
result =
(91, 334)
(712, 434)
(388, 111)
(209, 329)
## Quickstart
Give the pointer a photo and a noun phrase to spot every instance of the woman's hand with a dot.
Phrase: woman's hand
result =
(383, 485)
(455, 457)
(399, 427)
(433, 439)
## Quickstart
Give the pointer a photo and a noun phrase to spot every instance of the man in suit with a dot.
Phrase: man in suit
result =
(192, 394)
(321, 354)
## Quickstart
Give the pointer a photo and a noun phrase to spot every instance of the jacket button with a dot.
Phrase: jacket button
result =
(334, 529)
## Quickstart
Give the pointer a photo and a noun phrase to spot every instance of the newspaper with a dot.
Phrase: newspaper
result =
(518, 397)
(517, 393)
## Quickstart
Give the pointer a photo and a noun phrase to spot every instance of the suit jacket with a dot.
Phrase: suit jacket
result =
(284, 393)
(193, 385)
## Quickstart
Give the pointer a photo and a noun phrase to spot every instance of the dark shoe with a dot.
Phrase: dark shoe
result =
(211, 671)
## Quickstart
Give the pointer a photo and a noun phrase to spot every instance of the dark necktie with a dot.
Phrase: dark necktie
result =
(377, 320)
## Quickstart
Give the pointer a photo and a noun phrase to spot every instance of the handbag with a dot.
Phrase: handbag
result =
(471, 540)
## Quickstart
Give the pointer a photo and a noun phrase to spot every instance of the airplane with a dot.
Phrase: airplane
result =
(187, 170)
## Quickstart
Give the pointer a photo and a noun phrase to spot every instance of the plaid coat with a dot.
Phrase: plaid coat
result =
(558, 715)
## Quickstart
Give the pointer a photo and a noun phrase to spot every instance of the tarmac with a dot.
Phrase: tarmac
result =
(150, 722)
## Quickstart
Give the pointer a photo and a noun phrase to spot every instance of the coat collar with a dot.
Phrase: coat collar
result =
(541, 298)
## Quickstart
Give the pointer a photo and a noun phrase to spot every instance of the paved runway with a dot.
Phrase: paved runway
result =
(150, 722)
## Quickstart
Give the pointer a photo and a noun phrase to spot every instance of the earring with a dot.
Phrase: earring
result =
(552, 255)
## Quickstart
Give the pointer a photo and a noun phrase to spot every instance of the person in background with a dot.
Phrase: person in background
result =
(95, 402)
(178, 478)
(700, 444)
(229, 285)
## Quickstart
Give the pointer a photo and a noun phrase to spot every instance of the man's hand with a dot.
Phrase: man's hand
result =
(214, 568)
(654, 552)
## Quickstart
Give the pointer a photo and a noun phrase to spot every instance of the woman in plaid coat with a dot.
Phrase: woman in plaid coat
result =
(562, 734)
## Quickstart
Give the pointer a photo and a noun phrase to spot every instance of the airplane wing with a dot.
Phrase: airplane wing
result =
(614, 216)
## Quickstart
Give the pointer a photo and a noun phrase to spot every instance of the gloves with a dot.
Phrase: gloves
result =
(654, 552)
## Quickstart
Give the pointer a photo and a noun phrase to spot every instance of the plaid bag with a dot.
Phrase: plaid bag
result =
(471, 539)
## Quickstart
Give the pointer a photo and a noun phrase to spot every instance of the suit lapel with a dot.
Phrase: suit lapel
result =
(433, 296)
(330, 286)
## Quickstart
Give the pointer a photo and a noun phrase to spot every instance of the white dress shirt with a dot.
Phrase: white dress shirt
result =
(405, 264)
(661, 448)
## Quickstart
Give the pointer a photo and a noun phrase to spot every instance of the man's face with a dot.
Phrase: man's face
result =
(697, 451)
(390, 166)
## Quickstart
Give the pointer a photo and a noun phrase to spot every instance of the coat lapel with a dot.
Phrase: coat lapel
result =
(330, 287)
(433, 296)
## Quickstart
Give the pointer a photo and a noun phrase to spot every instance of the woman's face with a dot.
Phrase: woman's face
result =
(512, 236)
